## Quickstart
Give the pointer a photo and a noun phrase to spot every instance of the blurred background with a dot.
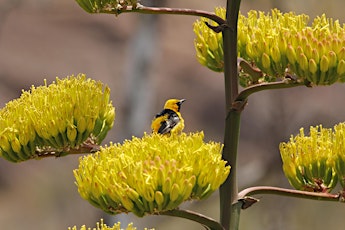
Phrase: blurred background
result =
(145, 60)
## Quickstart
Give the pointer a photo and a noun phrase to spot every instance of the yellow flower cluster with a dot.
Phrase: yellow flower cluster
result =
(54, 119)
(280, 44)
(314, 162)
(208, 44)
(264, 39)
(151, 174)
(102, 226)
(339, 149)
(101, 6)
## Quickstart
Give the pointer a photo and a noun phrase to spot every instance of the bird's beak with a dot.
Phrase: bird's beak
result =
(181, 101)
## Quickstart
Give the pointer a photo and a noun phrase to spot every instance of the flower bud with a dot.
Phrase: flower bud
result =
(4, 143)
(303, 62)
(275, 54)
(324, 64)
(71, 133)
(127, 203)
(315, 56)
(341, 68)
(159, 198)
(266, 62)
(312, 66)
(175, 191)
(16, 146)
(291, 54)
(341, 53)
(332, 57)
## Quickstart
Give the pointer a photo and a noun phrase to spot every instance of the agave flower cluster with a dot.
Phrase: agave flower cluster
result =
(315, 162)
(106, 6)
(208, 44)
(152, 174)
(55, 119)
(103, 226)
(280, 44)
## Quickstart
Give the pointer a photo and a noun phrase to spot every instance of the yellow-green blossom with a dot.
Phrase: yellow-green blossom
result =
(151, 174)
(208, 44)
(102, 226)
(68, 115)
(339, 151)
(280, 44)
(308, 161)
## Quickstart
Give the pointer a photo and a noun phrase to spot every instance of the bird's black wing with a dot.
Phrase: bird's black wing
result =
(171, 121)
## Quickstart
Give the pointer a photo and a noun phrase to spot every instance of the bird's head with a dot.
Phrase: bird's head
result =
(174, 104)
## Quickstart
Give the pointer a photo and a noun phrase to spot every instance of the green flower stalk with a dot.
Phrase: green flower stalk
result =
(70, 115)
(102, 226)
(279, 44)
(308, 161)
(152, 174)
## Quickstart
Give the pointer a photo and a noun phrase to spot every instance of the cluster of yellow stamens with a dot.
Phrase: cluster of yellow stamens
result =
(280, 44)
(151, 174)
(55, 119)
(315, 162)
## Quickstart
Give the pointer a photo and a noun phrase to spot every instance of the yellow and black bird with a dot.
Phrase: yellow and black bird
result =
(170, 119)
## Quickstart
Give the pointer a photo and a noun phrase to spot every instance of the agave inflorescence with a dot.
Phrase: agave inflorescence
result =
(279, 44)
(308, 161)
(315, 162)
(56, 119)
(339, 151)
(151, 174)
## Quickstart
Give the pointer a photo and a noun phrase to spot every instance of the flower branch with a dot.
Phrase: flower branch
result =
(288, 192)
(84, 148)
(283, 84)
(175, 11)
(206, 221)
(119, 7)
